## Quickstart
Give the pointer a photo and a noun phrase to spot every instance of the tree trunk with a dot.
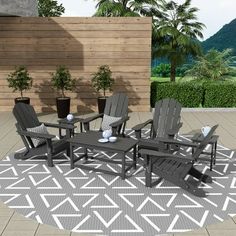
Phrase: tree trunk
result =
(172, 71)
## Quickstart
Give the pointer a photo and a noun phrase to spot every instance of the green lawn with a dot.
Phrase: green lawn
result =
(167, 79)
(181, 79)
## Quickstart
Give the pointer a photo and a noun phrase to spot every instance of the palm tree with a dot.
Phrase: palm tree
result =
(175, 32)
(49, 8)
(116, 8)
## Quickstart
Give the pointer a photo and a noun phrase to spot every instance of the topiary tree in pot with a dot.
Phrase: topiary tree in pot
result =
(62, 81)
(20, 80)
(102, 81)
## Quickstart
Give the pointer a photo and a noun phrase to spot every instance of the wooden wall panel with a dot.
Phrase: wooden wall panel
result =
(82, 44)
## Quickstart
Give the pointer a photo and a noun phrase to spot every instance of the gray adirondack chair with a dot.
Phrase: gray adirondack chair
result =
(165, 123)
(174, 168)
(116, 106)
(26, 118)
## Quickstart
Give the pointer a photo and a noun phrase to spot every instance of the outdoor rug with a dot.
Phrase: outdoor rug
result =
(88, 202)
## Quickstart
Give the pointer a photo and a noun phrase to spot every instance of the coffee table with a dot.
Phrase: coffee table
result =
(90, 140)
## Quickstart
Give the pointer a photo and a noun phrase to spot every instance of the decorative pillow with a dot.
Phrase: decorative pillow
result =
(107, 120)
(41, 130)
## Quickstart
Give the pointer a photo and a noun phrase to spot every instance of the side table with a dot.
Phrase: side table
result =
(72, 122)
(198, 137)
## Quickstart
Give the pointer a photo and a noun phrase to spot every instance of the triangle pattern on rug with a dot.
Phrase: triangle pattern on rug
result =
(91, 202)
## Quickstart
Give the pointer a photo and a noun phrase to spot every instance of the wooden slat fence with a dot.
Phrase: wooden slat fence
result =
(82, 44)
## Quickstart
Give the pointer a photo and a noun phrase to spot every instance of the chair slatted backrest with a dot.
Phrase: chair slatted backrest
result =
(117, 105)
(166, 116)
(26, 117)
(204, 143)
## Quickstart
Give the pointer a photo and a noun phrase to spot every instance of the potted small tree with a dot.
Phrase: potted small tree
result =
(20, 80)
(102, 81)
(62, 81)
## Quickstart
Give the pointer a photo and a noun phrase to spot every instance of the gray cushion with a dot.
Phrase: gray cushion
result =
(38, 129)
(107, 120)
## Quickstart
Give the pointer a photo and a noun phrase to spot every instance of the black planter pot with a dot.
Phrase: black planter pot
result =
(63, 107)
(25, 100)
(101, 104)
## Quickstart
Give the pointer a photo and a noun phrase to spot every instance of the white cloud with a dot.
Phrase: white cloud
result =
(215, 13)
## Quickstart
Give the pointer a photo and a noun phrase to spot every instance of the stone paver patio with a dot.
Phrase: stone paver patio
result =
(12, 223)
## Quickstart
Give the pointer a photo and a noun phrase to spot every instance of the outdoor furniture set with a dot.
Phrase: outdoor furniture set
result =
(157, 154)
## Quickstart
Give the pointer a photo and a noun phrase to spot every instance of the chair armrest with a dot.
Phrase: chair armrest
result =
(142, 125)
(89, 119)
(35, 135)
(62, 126)
(119, 122)
(154, 154)
(153, 144)
(175, 129)
(177, 142)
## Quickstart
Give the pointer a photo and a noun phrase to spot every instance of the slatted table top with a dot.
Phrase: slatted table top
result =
(73, 121)
(90, 139)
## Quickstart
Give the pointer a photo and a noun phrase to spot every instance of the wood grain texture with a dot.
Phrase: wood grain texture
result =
(81, 44)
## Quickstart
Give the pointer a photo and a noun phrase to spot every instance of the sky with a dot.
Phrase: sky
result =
(213, 13)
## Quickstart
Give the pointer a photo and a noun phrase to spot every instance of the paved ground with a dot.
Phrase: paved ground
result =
(11, 223)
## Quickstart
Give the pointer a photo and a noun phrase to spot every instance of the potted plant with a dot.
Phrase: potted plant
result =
(102, 81)
(20, 80)
(62, 81)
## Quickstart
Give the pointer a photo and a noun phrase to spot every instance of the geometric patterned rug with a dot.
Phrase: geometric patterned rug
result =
(87, 202)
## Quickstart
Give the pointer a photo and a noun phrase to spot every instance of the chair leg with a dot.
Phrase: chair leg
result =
(212, 156)
(68, 152)
(49, 153)
(138, 134)
(49, 160)
(123, 129)
(86, 154)
(215, 149)
(86, 127)
(148, 172)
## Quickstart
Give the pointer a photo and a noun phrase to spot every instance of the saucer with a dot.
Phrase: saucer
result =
(103, 140)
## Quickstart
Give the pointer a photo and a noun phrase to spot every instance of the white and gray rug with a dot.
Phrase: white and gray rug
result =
(89, 202)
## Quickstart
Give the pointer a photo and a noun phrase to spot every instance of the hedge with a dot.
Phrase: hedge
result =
(188, 94)
(220, 94)
(193, 94)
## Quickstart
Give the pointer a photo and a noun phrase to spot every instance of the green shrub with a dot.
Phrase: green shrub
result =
(220, 94)
(20, 80)
(162, 70)
(189, 94)
(153, 97)
(102, 80)
(232, 71)
(62, 80)
(181, 70)
(214, 65)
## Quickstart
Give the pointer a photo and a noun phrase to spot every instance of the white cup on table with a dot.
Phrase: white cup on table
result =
(205, 130)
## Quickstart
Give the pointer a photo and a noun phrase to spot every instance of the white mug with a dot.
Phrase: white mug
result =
(205, 130)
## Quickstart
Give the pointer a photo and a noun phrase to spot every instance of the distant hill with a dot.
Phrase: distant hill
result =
(224, 38)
